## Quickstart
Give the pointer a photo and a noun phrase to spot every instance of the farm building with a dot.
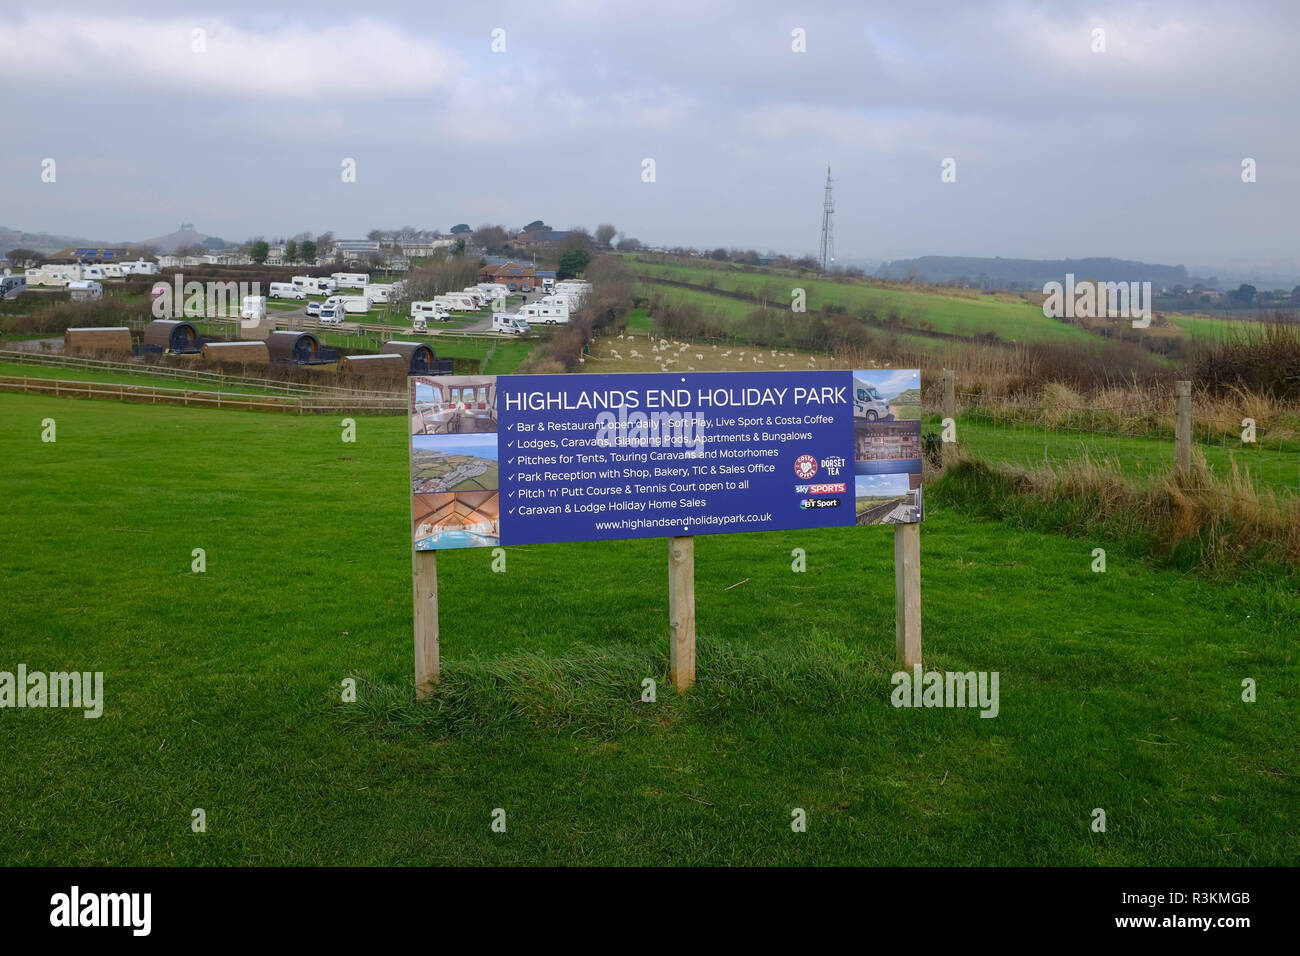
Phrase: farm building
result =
(511, 275)
(101, 340)
(391, 365)
(419, 357)
(171, 336)
(242, 353)
(298, 348)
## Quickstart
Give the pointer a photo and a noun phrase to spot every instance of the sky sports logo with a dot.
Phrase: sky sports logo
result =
(829, 488)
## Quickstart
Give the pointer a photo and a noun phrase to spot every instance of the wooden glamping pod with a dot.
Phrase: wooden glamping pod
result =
(116, 341)
(419, 357)
(294, 348)
(237, 353)
(171, 336)
(386, 366)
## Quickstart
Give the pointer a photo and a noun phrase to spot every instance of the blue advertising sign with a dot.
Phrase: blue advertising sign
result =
(529, 459)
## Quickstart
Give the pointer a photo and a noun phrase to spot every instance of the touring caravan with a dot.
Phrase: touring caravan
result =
(286, 290)
(551, 314)
(454, 302)
(350, 280)
(509, 324)
(867, 402)
(113, 270)
(94, 272)
(379, 292)
(315, 286)
(84, 290)
(355, 304)
(140, 268)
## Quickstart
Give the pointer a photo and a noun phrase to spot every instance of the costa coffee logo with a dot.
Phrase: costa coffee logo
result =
(805, 466)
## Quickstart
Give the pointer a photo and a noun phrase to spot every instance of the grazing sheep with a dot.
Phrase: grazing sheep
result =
(699, 356)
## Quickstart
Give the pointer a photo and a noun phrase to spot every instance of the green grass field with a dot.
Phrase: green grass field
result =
(1118, 690)
(1007, 315)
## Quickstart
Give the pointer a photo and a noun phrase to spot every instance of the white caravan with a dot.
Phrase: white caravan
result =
(254, 307)
(93, 272)
(113, 270)
(509, 324)
(492, 289)
(85, 290)
(287, 290)
(567, 299)
(140, 268)
(453, 302)
(315, 286)
(351, 280)
(539, 313)
(380, 292)
(356, 304)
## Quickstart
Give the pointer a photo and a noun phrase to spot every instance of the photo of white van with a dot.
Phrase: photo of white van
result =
(868, 403)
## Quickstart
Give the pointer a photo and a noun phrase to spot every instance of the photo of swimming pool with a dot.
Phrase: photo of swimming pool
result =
(455, 538)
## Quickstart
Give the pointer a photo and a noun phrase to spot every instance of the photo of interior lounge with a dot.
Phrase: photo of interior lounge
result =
(885, 447)
(453, 405)
(463, 519)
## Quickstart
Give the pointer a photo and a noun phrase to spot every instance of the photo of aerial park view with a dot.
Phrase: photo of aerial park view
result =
(887, 445)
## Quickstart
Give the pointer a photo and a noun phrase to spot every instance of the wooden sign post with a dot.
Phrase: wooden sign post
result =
(681, 611)
(424, 571)
(907, 594)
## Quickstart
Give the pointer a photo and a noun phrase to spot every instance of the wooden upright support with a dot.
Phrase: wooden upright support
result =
(681, 611)
(907, 594)
(424, 570)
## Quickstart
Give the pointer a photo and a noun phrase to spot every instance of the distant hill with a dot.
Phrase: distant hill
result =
(1031, 273)
(44, 242)
(185, 236)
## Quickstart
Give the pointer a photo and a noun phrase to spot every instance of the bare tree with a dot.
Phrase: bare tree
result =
(605, 234)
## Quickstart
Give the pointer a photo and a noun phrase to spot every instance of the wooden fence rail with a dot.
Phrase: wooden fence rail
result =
(154, 395)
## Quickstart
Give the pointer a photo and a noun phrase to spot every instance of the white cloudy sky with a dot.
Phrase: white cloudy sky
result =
(1060, 151)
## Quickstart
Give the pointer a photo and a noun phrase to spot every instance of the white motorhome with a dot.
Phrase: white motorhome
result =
(316, 286)
(379, 292)
(869, 403)
(55, 276)
(332, 313)
(85, 290)
(356, 304)
(350, 280)
(286, 290)
(254, 307)
(539, 313)
(11, 287)
(548, 284)
(509, 324)
(428, 311)
(569, 300)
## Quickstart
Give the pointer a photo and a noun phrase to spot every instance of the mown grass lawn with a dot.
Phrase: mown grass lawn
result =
(1119, 690)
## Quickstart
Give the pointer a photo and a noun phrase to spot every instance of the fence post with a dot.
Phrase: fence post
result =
(949, 394)
(1183, 425)
(424, 565)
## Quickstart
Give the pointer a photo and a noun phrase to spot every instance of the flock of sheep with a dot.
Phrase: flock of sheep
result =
(666, 353)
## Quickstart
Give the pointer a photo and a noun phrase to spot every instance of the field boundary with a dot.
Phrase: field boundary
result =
(155, 395)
